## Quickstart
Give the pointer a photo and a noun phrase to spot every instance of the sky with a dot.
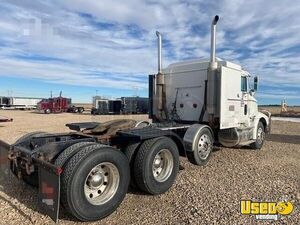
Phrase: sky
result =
(108, 47)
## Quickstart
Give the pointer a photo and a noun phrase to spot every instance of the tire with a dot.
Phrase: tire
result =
(47, 111)
(81, 110)
(69, 152)
(130, 152)
(74, 182)
(75, 110)
(205, 146)
(151, 178)
(28, 136)
(259, 138)
(32, 179)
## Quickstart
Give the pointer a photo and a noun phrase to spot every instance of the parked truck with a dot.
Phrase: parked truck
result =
(194, 106)
(58, 105)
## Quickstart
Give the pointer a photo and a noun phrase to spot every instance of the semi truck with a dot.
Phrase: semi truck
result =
(194, 105)
(58, 105)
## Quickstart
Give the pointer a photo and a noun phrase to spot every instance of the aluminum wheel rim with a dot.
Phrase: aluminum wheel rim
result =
(204, 146)
(260, 135)
(101, 183)
(162, 166)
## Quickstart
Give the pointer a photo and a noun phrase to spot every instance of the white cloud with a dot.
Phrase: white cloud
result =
(265, 40)
(278, 93)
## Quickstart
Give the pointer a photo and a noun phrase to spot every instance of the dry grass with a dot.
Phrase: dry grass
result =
(277, 109)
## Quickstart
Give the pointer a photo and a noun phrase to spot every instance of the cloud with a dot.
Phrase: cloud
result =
(279, 93)
(113, 44)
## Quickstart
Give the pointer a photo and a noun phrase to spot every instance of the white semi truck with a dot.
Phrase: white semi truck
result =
(194, 105)
(213, 95)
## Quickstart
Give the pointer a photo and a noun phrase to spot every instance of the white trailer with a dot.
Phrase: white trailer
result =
(19, 102)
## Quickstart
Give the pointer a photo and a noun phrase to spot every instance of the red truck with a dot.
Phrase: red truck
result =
(58, 105)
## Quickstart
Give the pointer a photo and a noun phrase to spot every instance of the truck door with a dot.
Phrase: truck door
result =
(233, 98)
(244, 100)
(251, 105)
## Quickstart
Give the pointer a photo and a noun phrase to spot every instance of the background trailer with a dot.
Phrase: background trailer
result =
(19, 102)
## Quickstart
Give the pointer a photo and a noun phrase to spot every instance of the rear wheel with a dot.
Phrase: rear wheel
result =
(75, 110)
(260, 137)
(156, 165)
(80, 110)
(69, 152)
(28, 136)
(203, 150)
(130, 152)
(94, 182)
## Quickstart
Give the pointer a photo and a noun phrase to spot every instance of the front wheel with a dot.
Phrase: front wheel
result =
(94, 182)
(130, 152)
(47, 111)
(156, 165)
(203, 150)
(260, 137)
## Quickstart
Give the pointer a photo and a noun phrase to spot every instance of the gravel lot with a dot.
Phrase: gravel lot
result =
(201, 195)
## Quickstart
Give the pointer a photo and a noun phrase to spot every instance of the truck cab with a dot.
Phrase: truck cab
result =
(212, 92)
(54, 105)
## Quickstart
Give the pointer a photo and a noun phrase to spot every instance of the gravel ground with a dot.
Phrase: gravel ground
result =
(200, 195)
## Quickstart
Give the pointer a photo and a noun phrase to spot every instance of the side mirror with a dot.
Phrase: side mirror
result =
(255, 83)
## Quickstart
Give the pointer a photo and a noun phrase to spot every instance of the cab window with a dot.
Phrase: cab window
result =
(244, 84)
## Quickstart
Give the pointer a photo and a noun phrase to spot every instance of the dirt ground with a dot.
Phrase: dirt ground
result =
(200, 195)
(275, 110)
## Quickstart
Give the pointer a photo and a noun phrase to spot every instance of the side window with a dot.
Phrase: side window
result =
(244, 84)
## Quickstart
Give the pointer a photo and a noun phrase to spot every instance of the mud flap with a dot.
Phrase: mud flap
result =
(49, 192)
(4, 161)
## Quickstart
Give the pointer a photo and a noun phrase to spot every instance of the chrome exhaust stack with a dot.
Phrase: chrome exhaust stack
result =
(212, 103)
(213, 42)
(159, 44)
(159, 90)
